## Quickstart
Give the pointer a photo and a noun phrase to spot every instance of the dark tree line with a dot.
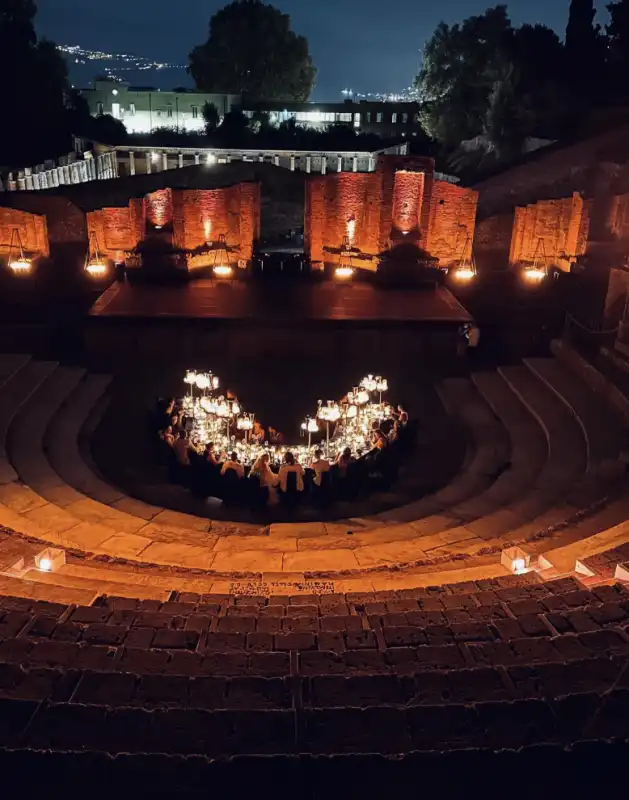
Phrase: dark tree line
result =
(42, 111)
(486, 78)
(252, 50)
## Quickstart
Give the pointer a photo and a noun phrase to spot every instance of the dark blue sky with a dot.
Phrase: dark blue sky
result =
(367, 45)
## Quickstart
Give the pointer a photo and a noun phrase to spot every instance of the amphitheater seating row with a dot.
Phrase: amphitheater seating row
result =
(538, 462)
(142, 677)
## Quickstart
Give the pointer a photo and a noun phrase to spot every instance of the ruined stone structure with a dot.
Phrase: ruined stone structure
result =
(31, 229)
(554, 231)
(402, 202)
(188, 220)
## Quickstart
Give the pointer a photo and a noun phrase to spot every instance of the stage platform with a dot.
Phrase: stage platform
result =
(291, 302)
(271, 322)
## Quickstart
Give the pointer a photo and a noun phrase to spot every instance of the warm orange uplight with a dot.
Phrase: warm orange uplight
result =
(21, 265)
(518, 565)
(343, 273)
(464, 274)
(223, 271)
(534, 274)
(96, 268)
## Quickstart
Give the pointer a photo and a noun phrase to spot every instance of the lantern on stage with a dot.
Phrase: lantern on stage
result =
(190, 379)
(382, 385)
(203, 382)
(369, 384)
(310, 426)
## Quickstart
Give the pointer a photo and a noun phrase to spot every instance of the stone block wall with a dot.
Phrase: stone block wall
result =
(194, 217)
(338, 206)
(452, 223)
(400, 202)
(32, 230)
(552, 230)
(117, 229)
(203, 215)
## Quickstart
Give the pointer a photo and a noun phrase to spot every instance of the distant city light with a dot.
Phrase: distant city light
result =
(125, 62)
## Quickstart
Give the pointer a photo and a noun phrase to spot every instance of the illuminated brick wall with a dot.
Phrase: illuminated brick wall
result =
(338, 206)
(32, 229)
(194, 216)
(158, 207)
(399, 202)
(556, 230)
(452, 222)
(203, 215)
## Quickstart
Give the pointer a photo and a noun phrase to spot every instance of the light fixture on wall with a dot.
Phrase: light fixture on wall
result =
(95, 265)
(19, 262)
(345, 268)
(220, 258)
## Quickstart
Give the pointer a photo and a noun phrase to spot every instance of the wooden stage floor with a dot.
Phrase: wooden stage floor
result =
(298, 302)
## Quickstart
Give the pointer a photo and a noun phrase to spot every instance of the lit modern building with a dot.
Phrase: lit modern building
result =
(391, 120)
(143, 109)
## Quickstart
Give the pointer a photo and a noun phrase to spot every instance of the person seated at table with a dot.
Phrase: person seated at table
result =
(290, 466)
(268, 479)
(182, 449)
(210, 456)
(343, 460)
(233, 463)
(258, 433)
(394, 433)
(401, 415)
(319, 466)
(379, 442)
(168, 437)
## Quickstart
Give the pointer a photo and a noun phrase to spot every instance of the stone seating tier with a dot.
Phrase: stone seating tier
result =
(497, 664)
(501, 496)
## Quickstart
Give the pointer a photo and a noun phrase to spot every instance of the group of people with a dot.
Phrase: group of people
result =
(209, 471)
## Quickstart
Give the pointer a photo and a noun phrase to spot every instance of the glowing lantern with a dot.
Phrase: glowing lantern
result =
(343, 273)
(95, 266)
(464, 273)
(534, 274)
(222, 271)
(45, 564)
(22, 263)
(203, 382)
(369, 383)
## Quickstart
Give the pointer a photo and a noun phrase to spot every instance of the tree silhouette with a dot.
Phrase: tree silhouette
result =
(33, 83)
(252, 50)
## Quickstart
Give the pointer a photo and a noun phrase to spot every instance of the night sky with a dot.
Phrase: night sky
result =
(366, 45)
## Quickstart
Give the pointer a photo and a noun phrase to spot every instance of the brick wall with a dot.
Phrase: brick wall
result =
(555, 230)
(384, 207)
(338, 206)
(158, 207)
(117, 229)
(452, 222)
(32, 231)
(196, 217)
(203, 215)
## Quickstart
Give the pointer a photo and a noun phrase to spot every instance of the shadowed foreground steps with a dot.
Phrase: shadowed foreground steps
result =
(297, 647)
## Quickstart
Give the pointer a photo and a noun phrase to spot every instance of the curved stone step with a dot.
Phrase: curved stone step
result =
(10, 363)
(605, 434)
(26, 438)
(567, 459)
(14, 393)
(61, 579)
